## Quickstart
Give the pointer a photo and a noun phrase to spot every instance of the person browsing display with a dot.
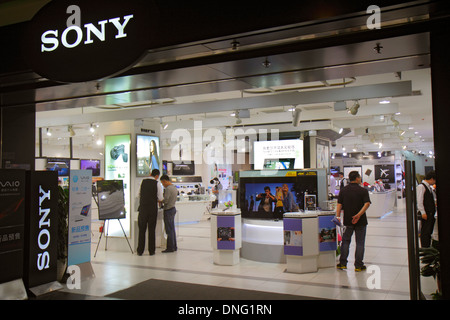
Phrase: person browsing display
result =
(354, 201)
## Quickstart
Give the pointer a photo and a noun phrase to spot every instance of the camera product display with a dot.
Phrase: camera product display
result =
(118, 151)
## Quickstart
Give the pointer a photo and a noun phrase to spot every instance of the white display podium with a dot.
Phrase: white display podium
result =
(226, 236)
(300, 241)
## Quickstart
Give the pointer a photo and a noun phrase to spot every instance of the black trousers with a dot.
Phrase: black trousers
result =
(426, 230)
(147, 221)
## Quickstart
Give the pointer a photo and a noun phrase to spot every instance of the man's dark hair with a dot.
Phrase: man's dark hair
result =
(155, 172)
(430, 175)
(266, 188)
(340, 173)
(353, 175)
(164, 177)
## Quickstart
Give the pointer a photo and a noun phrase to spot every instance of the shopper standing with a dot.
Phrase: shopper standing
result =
(354, 201)
(170, 197)
(426, 205)
(151, 194)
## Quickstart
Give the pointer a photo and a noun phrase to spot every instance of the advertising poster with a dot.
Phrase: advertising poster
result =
(385, 172)
(41, 228)
(225, 233)
(322, 154)
(12, 215)
(281, 154)
(117, 167)
(148, 155)
(79, 235)
(293, 237)
(327, 233)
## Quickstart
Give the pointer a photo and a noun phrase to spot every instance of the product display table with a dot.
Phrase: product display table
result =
(226, 236)
(382, 203)
(300, 241)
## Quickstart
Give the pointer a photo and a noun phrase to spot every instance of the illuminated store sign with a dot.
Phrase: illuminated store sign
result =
(81, 40)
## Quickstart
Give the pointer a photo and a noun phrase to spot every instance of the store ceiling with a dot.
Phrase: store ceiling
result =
(180, 96)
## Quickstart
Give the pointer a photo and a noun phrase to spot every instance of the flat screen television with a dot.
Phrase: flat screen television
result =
(111, 199)
(93, 165)
(61, 165)
(279, 154)
(183, 168)
(148, 155)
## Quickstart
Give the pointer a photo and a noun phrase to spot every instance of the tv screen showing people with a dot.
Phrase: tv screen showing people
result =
(270, 198)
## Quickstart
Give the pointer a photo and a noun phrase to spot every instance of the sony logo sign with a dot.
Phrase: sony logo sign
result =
(73, 35)
(43, 239)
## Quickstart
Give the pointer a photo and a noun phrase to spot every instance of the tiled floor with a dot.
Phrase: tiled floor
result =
(385, 248)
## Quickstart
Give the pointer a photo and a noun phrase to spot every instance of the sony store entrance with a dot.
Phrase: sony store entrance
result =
(350, 106)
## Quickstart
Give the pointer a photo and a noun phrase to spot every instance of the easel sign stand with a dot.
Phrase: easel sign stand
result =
(95, 196)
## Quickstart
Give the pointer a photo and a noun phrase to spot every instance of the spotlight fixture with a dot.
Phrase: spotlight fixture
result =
(354, 109)
(49, 134)
(235, 44)
(394, 122)
(296, 116)
(266, 63)
(70, 130)
(238, 119)
(165, 126)
(91, 128)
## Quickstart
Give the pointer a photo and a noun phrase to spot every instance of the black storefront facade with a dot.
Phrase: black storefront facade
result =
(76, 45)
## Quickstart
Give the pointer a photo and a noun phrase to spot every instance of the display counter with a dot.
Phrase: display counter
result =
(192, 208)
(262, 240)
(382, 204)
(226, 240)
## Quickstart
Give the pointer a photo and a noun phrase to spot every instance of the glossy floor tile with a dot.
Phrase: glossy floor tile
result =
(386, 253)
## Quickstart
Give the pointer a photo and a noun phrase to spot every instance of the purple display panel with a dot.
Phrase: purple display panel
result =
(225, 233)
(327, 234)
(293, 236)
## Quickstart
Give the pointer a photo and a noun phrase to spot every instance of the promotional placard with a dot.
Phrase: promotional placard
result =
(293, 237)
(79, 235)
(226, 233)
(117, 167)
(41, 228)
(12, 215)
(327, 233)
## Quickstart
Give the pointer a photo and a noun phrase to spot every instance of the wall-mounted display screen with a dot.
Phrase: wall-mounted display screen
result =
(111, 200)
(183, 168)
(93, 165)
(148, 155)
(61, 165)
(280, 154)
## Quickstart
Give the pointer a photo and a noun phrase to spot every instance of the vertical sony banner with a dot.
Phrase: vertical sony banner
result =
(117, 167)
(41, 228)
(12, 212)
(79, 235)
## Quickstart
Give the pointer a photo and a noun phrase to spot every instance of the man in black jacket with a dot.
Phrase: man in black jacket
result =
(150, 195)
(426, 204)
(354, 201)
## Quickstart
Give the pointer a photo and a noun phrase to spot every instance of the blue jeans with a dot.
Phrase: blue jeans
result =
(360, 235)
(169, 226)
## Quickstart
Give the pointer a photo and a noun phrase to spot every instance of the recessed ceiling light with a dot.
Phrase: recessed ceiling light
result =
(384, 102)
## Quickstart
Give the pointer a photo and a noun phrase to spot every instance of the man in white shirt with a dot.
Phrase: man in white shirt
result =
(426, 205)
